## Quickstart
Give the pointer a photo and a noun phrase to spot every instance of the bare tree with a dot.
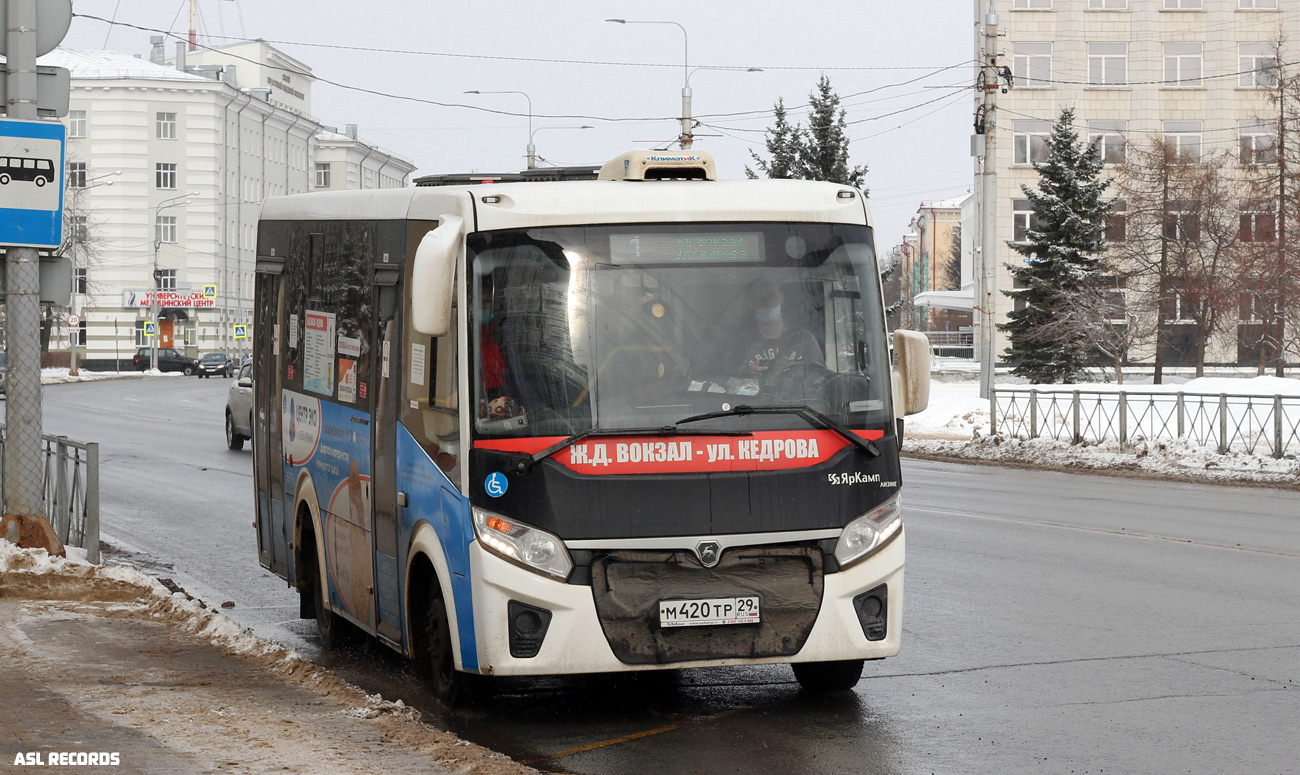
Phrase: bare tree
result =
(1183, 249)
(1270, 273)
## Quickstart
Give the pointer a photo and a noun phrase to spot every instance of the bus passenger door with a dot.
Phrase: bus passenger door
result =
(386, 377)
(272, 532)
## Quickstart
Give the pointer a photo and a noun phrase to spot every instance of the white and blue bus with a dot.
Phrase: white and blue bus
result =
(640, 421)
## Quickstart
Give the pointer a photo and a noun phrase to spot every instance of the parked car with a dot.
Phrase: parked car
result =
(169, 359)
(239, 409)
(219, 364)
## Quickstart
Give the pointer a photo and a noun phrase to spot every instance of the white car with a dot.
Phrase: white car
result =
(239, 408)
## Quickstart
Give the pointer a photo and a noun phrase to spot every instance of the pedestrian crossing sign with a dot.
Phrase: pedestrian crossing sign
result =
(150, 329)
(209, 291)
(241, 331)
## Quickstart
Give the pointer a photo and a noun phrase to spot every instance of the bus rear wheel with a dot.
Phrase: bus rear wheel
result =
(828, 676)
(334, 630)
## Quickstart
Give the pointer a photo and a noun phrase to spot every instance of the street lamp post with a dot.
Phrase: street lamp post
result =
(155, 309)
(540, 128)
(532, 152)
(78, 237)
(686, 138)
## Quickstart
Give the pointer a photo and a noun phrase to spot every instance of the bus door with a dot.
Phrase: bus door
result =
(272, 532)
(385, 377)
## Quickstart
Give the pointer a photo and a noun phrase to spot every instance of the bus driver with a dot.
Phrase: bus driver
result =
(773, 340)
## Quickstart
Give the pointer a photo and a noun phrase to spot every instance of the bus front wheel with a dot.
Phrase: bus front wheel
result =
(443, 678)
(828, 676)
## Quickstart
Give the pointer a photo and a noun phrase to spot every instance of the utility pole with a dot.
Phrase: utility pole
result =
(24, 521)
(985, 144)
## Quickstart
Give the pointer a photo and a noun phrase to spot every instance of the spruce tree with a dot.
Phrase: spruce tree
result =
(819, 151)
(1062, 259)
(825, 152)
(784, 142)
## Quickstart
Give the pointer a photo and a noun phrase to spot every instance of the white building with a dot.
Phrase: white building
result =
(167, 168)
(1184, 70)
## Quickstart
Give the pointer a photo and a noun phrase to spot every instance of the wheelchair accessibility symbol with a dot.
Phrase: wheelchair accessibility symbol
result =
(496, 484)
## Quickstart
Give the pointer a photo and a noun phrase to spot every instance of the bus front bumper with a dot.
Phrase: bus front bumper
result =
(575, 641)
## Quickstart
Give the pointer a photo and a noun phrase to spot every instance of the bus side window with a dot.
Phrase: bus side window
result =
(430, 411)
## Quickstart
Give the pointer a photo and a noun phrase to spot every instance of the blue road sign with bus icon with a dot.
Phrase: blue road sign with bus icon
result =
(31, 183)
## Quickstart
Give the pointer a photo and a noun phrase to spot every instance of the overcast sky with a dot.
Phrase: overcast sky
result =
(885, 59)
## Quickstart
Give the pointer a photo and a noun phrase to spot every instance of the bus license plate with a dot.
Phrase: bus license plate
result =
(718, 610)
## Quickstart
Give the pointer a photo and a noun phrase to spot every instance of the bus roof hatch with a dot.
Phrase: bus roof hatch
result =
(660, 165)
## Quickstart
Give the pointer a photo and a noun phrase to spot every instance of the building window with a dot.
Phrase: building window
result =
(1184, 139)
(323, 175)
(1117, 221)
(1109, 137)
(165, 175)
(1258, 223)
(1256, 65)
(140, 339)
(165, 126)
(167, 279)
(1108, 5)
(1030, 141)
(1023, 5)
(1257, 142)
(79, 283)
(1182, 5)
(79, 336)
(164, 229)
(1023, 219)
(1183, 221)
(1032, 64)
(78, 230)
(1257, 5)
(76, 123)
(1183, 64)
(1107, 64)
(76, 174)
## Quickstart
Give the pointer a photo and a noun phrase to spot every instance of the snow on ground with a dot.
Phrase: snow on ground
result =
(956, 425)
(61, 375)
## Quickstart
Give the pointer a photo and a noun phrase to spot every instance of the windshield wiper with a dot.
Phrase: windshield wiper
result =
(814, 418)
(528, 462)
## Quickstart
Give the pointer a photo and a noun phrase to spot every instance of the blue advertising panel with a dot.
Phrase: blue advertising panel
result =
(31, 183)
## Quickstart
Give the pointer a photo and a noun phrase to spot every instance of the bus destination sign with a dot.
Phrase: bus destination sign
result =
(686, 248)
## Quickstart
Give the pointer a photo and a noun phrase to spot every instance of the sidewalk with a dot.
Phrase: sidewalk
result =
(104, 661)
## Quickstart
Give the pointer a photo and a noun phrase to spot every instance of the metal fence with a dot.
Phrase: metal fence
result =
(951, 344)
(1227, 422)
(71, 501)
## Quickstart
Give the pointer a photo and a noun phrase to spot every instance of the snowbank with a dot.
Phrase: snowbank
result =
(35, 573)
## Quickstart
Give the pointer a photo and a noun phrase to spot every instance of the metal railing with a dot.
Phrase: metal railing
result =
(1225, 421)
(71, 502)
(951, 344)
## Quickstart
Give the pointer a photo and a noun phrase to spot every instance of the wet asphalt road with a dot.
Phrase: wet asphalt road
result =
(1054, 623)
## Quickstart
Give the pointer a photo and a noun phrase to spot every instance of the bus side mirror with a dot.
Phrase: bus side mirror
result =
(432, 277)
(911, 374)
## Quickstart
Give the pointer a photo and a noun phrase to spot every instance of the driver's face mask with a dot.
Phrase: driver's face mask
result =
(768, 314)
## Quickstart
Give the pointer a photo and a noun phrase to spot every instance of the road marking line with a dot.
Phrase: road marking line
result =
(625, 738)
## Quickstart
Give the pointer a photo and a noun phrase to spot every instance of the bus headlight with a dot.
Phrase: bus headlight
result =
(869, 532)
(534, 549)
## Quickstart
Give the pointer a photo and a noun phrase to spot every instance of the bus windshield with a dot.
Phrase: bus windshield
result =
(635, 327)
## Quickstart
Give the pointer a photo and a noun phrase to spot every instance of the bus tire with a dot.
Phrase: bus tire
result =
(828, 676)
(4, 179)
(334, 630)
(440, 658)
